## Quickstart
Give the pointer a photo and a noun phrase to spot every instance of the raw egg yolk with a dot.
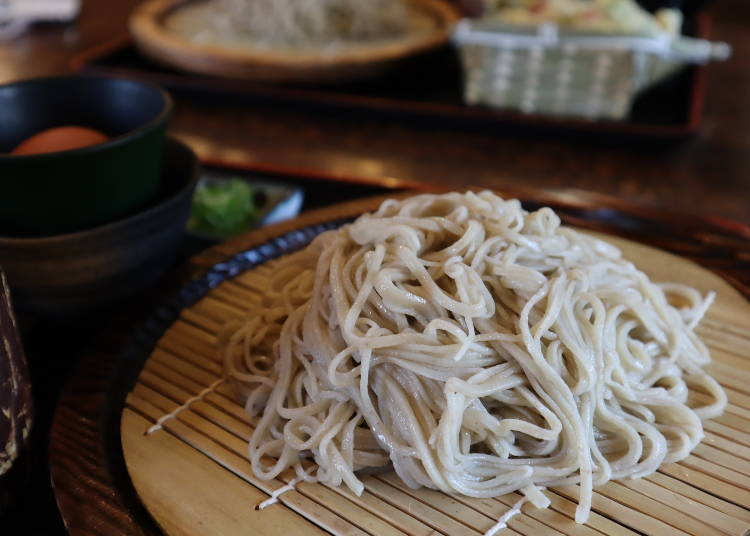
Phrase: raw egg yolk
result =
(60, 139)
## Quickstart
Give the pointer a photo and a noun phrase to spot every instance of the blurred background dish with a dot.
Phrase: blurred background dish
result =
(65, 191)
(228, 204)
(78, 271)
(194, 35)
(16, 16)
(578, 58)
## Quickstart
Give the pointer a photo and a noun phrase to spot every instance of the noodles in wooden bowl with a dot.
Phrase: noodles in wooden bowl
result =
(290, 41)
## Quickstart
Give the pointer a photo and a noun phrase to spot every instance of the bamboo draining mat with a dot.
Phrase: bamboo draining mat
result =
(194, 478)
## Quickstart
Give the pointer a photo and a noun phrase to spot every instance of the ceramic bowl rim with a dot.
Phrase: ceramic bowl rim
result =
(160, 118)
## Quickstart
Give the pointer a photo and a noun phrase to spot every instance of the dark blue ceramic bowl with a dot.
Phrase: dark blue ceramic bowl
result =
(66, 191)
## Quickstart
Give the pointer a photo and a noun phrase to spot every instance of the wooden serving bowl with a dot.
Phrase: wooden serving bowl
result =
(156, 42)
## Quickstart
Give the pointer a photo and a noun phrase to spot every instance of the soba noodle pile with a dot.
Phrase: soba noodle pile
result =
(310, 22)
(478, 348)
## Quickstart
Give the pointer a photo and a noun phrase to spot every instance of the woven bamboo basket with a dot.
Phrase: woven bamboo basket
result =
(551, 71)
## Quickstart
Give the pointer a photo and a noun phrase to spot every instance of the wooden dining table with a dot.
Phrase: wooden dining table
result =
(704, 177)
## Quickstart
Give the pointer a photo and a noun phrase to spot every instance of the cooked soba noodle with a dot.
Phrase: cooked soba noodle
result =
(309, 22)
(478, 348)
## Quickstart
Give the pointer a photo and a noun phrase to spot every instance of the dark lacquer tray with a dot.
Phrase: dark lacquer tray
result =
(429, 89)
(91, 484)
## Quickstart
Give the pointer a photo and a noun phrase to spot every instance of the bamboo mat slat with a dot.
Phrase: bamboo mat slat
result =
(737, 436)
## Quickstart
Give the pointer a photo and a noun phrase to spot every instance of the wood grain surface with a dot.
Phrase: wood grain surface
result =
(94, 492)
(192, 471)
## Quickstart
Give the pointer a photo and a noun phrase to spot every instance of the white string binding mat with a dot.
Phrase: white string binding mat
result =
(507, 516)
(164, 418)
(475, 347)
(274, 498)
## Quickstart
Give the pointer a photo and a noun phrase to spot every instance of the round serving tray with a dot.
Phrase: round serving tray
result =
(96, 495)
(185, 436)
(156, 41)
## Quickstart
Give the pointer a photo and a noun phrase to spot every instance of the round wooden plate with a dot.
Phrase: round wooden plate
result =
(156, 41)
(193, 476)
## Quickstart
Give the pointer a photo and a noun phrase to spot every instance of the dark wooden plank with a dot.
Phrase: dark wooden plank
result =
(91, 485)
